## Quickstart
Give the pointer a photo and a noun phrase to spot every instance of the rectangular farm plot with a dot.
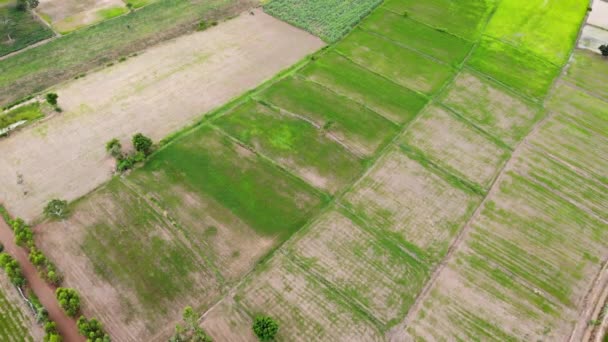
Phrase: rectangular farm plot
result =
(419, 37)
(69, 15)
(456, 146)
(19, 29)
(358, 127)
(394, 102)
(134, 267)
(294, 143)
(398, 64)
(525, 73)
(463, 18)
(412, 203)
(328, 19)
(304, 305)
(586, 70)
(366, 267)
(266, 198)
(492, 107)
(547, 29)
(525, 267)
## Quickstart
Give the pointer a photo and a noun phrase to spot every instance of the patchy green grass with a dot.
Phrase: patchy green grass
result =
(294, 143)
(29, 112)
(547, 29)
(586, 70)
(139, 3)
(412, 34)
(360, 128)
(80, 51)
(491, 107)
(456, 146)
(346, 78)
(525, 73)
(19, 29)
(463, 18)
(328, 19)
(109, 13)
(398, 64)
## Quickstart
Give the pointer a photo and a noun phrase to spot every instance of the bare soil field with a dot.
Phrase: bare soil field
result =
(66, 16)
(156, 93)
(599, 15)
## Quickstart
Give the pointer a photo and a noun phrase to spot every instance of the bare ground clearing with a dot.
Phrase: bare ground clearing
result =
(156, 93)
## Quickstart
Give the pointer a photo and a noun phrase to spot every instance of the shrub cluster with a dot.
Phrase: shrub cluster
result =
(143, 147)
(42, 317)
(190, 331)
(92, 329)
(12, 269)
(56, 209)
(69, 300)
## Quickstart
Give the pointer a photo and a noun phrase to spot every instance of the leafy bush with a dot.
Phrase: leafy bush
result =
(142, 143)
(50, 332)
(604, 50)
(37, 258)
(69, 300)
(92, 329)
(265, 328)
(56, 208)
(24, 236)
(114, 148)
(42, 315)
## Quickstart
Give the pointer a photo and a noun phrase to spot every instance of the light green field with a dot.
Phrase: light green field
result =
(14, 325)
(346, 78)
(525, 73)
(328, 19)
(398, 64)
(464, 18)
(547, 29)
(28, 113)
(301, 147)
(362, 130)
(427, 40)
(491, 107)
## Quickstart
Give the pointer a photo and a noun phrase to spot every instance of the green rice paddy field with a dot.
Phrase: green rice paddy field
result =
(381, 189)
(19, 29)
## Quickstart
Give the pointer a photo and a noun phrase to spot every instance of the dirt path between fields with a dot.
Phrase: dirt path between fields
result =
(157, 92)
(46, 293)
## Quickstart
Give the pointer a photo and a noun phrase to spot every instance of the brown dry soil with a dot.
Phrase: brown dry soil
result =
(156, 93)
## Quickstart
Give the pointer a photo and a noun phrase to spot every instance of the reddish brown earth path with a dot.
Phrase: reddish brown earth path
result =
(44, 291)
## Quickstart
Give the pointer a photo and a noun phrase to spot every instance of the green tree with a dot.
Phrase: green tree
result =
(56, 208)
(92, 329)
(51, 98)
(265, 328)
(69, 300)
(12, 269)
(604, 49)
(142, 143)
(24, 5)
(190, 331)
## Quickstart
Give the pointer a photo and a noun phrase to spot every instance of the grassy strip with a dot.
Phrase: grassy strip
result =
(28, 112)
(71, 55)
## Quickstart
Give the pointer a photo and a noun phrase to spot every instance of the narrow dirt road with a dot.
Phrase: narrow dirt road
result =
(46, 293)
